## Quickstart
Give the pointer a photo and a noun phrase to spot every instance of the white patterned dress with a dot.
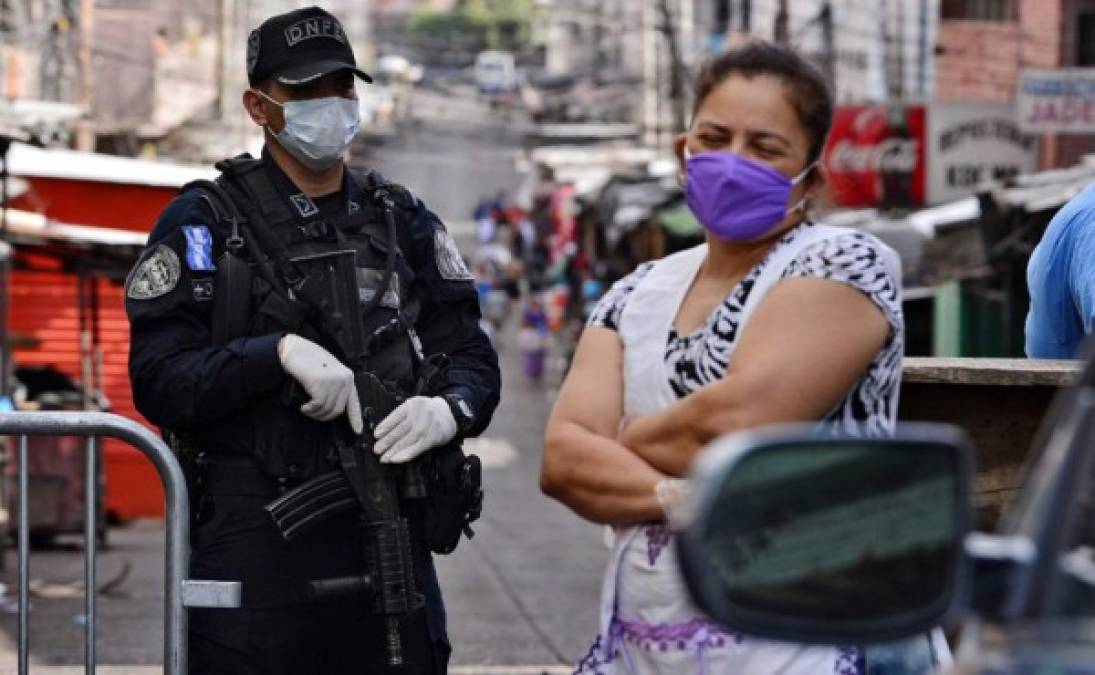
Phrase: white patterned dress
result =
(638, 639)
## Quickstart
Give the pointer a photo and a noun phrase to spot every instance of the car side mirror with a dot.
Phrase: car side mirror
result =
(797, 536)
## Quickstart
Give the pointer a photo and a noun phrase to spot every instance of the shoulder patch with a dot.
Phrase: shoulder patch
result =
(156, 275)
(449, 261)
(199, 248)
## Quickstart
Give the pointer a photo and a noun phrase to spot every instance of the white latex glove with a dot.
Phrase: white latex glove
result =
(417, 425)
(329, 383)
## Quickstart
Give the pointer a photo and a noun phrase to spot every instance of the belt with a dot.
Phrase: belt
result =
(241, 477)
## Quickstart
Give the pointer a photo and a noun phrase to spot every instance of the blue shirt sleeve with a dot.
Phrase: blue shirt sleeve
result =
(1061, 281)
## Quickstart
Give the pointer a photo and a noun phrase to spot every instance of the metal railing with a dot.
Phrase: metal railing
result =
(179, 592)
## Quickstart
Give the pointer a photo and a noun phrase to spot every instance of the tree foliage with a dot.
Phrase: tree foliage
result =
(482, 24)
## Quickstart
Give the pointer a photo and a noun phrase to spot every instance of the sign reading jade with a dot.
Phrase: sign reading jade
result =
(1057, 101)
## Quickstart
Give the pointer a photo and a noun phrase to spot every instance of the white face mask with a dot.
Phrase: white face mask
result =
(318, 131)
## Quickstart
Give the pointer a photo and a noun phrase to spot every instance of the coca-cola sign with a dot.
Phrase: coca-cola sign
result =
(875, 156)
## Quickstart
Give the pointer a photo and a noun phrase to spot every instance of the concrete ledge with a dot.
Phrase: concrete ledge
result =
(1000, 403)
(38, 669)
(994, 372)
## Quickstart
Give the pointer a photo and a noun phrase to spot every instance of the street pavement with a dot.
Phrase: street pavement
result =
(455, 152)
(522, 595)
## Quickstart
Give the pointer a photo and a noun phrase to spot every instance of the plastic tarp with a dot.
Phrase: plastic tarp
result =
(625, 203)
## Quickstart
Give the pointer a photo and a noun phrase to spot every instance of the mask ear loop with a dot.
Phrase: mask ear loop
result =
(267, 97)
(803, 204)
(280, 105)
(802, 174)
(680, 174)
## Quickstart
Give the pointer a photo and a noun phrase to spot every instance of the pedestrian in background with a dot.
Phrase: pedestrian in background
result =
(270, 408)
(484, 220)
(532, 338)
(777, 318)
(1061, 281)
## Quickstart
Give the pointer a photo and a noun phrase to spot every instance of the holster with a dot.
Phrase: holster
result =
(454, 497)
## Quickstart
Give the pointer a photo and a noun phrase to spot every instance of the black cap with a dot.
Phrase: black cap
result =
(298, 47)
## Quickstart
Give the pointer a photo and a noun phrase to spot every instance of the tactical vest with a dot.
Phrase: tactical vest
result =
(286, 443)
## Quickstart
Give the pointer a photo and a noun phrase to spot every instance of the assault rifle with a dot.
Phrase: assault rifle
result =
(361, 481)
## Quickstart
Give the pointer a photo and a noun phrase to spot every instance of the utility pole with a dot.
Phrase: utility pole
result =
(223, 13)
(687, 25)
(676, 67)
(783, 20)
(922, 71)
(900, 57)
(599, 37)
(85, 133)
(722, 20)
(650, 75)
(828, 46)
(887, 48)
(5, 269)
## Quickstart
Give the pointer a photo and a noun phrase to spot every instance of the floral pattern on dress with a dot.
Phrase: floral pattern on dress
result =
(657, 538)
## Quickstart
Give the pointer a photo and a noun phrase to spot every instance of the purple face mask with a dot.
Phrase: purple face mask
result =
(737, 199)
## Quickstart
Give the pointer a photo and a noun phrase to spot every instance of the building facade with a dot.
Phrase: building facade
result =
(984, 45)
(871, 50)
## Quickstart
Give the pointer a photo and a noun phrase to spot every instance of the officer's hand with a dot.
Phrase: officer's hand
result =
(417, 425)
(329, 383)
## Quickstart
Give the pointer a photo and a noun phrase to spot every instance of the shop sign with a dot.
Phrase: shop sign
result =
(875, 156)
(972, 143)
(1057, 101)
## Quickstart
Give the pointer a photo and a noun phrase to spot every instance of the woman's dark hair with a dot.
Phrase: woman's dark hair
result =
(804, 84)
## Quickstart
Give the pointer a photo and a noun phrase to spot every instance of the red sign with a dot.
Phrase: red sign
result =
(876, 155)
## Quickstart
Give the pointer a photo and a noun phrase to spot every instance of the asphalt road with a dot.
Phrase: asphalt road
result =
(521, 595)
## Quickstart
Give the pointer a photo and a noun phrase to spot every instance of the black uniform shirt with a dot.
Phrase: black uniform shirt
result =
(181, 381)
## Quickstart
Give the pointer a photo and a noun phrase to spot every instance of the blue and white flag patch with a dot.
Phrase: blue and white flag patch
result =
(199, 248)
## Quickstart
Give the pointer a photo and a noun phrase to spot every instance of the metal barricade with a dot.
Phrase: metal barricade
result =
(179, 592)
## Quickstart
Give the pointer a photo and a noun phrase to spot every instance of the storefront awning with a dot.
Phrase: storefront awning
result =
(101, 251)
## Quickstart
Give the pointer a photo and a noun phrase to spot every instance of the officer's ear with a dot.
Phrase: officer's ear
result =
(256, 107)
(253, 104)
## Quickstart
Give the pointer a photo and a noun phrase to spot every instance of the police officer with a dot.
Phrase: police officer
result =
(262, 405)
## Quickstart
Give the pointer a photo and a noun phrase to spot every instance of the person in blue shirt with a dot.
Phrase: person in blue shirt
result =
(1061, 280)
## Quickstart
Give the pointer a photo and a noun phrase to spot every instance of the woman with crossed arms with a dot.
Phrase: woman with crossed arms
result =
(776, 318)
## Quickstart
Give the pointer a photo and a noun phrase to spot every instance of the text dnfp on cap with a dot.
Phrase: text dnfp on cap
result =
(299, 46)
